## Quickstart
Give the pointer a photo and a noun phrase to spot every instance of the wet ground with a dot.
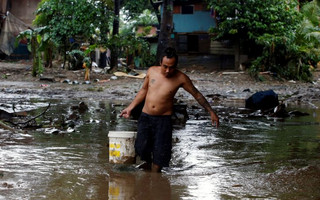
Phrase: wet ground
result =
(248, 157)
(216, 85)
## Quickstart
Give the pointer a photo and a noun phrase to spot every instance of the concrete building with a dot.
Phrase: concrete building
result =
(22, 9)
(21, 14)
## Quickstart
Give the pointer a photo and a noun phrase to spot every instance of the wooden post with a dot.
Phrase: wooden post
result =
(237, 55)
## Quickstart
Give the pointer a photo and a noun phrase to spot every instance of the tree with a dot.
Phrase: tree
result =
(309, 32)
(70, 20)
(115, 33)
(133, 11)
(306, 51)
(250, 20)
(136, 49)
(135, 8)
(268, 29)
(165, 20)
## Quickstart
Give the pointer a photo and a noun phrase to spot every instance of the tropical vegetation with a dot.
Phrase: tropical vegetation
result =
(62, 27)
(275, 35)
(280, 36)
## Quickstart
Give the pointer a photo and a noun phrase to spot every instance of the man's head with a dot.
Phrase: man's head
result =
(169, 61)
(170, 52)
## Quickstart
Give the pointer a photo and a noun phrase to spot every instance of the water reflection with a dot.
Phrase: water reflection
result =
(246, 158)
(139, 185)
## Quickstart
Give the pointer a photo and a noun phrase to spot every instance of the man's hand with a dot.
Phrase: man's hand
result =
(125, 113)
(214, 119)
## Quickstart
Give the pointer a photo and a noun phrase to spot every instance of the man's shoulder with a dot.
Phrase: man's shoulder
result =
(152, 68)
(182, 74)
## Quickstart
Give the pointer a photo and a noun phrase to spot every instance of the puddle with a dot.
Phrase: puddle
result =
(246, 158)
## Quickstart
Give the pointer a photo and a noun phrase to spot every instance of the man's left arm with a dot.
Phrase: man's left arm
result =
(189, 87)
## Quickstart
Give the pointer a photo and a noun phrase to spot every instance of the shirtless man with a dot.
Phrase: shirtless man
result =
(153, 143)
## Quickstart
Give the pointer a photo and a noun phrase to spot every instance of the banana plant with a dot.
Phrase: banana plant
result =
(38, 43)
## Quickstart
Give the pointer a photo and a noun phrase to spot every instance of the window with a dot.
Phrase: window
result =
(187, 9)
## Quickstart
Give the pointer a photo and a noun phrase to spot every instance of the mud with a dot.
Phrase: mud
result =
(218, 86)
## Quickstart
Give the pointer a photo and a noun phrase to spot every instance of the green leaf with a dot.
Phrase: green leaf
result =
(39, 38)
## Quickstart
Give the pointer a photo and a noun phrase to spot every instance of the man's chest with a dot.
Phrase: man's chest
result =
(166, 84)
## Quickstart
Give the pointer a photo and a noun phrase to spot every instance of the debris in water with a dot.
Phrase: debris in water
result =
(86, 82)
(75, 82)
(50, 131)
(113, 78)
(66, 81)
(70, 130)
(262, 100)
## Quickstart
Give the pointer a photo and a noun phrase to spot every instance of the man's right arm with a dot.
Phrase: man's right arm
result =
(141, 95)
(189, 87)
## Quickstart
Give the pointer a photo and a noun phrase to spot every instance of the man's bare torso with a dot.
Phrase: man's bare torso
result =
(161, 91)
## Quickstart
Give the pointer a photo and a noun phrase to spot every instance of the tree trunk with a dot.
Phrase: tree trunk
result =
(114, 50)
(166, 27)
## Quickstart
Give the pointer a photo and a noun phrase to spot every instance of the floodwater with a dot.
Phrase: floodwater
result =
(246, 158)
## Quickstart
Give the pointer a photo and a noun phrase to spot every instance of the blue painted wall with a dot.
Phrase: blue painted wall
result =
(199, 21)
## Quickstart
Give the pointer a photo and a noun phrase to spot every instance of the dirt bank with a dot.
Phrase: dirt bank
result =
(219, 86)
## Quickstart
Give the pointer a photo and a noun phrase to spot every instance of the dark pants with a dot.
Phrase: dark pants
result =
(154, 139)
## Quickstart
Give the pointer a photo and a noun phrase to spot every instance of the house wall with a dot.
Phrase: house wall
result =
(191, 34)
(3, 6)
(24, 9)
(191, 30)
(200, 21)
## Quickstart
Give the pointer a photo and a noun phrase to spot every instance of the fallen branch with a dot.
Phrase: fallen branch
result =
(6, 127)
(33, 118)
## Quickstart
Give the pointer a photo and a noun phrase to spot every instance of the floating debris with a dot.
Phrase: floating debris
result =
(86, 82)
(70, 130)
(66, 81)
(75, 82)
(113, 78)
(50, 131)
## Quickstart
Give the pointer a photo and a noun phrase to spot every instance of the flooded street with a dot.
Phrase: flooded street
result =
(246, 158)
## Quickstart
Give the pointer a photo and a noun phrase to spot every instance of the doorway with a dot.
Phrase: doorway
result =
(193, 43)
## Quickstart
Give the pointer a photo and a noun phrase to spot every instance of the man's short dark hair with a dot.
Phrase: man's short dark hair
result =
(170, 52)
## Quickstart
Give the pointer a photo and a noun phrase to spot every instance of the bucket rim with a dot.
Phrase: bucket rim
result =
(122, 134)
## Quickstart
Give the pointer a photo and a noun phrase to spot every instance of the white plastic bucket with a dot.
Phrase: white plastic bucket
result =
(121, 147)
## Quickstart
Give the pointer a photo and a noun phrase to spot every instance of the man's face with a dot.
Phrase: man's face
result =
(168, 66)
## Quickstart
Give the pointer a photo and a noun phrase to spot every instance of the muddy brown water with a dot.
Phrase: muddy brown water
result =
(246, 158)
